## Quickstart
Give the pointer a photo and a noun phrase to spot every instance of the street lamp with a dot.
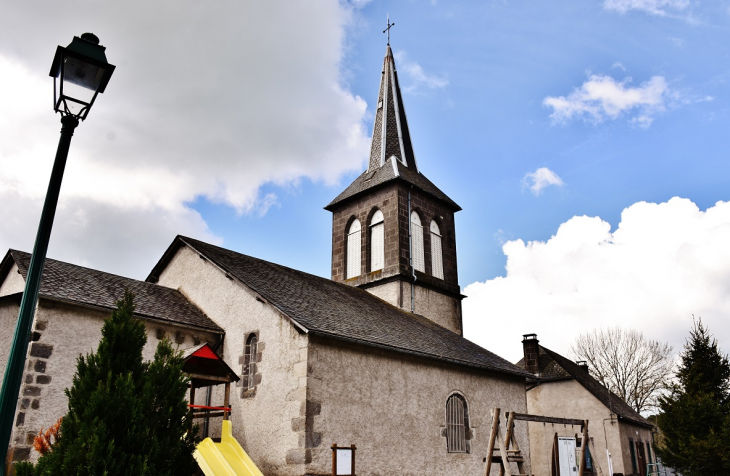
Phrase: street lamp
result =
(80, 72)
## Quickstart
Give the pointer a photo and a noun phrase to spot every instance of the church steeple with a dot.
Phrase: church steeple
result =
(391, 137)
(393, 230)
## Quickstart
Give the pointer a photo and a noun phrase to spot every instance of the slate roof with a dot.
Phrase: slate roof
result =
(387, 173)
(76, 284)
(554, 367)
(329, 309)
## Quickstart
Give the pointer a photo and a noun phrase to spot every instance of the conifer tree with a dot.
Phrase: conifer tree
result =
(697, 412)
(125, 416)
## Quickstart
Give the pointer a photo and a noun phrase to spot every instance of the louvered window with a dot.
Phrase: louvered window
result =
(353, 250)
(249, 370)
(419, 263)
(437, 261)
(377, 242)
(457, 424)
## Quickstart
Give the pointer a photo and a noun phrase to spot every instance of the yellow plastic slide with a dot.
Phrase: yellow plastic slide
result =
(226, 458)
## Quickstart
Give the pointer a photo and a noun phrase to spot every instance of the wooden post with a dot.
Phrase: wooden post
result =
(192, 401)
(510, 426)
(226, 400)
(353, 459)
(490, 448)
(503, 453)
(556, 456)
(334, 459)
(584, 445)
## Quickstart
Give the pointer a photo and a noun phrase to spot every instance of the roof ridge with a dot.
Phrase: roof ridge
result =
(578, 374)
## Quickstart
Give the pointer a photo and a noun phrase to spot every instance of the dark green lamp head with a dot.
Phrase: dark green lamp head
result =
(82, 72)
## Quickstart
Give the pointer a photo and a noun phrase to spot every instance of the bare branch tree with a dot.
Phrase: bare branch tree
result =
(633, 367)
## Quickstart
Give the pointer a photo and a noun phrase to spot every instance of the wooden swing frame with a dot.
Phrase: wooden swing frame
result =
(509, 455)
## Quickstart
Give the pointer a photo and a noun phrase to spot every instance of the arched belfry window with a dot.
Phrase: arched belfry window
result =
(377, 242)
(437, 260)
(353, 250)
(419, 263)
(249, 365)
(457, 424)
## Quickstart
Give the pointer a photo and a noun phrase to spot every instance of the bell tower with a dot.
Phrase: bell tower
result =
(393, 231)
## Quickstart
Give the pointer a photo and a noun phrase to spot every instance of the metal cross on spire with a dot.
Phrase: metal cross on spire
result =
(390, 25)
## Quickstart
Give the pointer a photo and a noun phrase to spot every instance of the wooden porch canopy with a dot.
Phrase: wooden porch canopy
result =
(205, 368)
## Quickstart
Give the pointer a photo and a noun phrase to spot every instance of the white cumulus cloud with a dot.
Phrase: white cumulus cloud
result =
(664, 263)
(206, 101)
(602, 97)
(654, 7)
(541, 178)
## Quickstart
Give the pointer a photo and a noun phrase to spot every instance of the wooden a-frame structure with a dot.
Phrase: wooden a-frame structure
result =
(508, 450)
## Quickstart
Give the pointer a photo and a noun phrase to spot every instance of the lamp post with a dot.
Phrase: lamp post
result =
(80, 72)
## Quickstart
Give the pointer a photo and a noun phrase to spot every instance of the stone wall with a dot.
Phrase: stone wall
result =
(270, 420)
(363, 208)
(549, 399)
(392, 200)
(61, 333)
(392, 407)
(436, 299)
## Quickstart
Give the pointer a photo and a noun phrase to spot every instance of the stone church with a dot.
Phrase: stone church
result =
(373, 357)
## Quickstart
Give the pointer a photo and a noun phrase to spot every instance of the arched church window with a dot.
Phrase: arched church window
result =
(457, 424)
(437, 260)
(377, 241)
(249, 367)
(353, 250)
(417, 243)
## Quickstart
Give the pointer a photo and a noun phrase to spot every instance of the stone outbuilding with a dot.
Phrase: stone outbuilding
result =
(620, 438)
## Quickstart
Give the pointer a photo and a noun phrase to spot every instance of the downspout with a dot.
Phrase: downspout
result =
(410, 252)
(206, 422)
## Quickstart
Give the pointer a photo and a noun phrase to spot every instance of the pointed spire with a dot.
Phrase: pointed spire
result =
(390, 132)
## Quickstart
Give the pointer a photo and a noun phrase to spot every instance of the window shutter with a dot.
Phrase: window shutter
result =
(377, 248)
(377, 242)
(456, 425)
(437, 261)
(353, 250)
(417, 243)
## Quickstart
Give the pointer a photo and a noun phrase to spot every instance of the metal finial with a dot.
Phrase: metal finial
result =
(390, 25)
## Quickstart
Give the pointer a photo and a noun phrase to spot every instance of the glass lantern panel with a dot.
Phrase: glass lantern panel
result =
(81, 73)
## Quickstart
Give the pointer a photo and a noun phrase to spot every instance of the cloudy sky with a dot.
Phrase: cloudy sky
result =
(586, 140)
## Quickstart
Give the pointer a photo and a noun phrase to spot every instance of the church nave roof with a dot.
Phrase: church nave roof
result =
(330, 309)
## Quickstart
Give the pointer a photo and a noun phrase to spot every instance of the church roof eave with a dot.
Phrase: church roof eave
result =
(392, 171)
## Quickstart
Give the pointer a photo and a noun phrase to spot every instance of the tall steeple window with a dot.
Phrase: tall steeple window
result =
(418, 261)
(437, 261)
(377, 241)
(353, 250)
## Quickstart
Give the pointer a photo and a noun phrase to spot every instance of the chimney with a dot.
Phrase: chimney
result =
(583, 365)
(532, 353)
